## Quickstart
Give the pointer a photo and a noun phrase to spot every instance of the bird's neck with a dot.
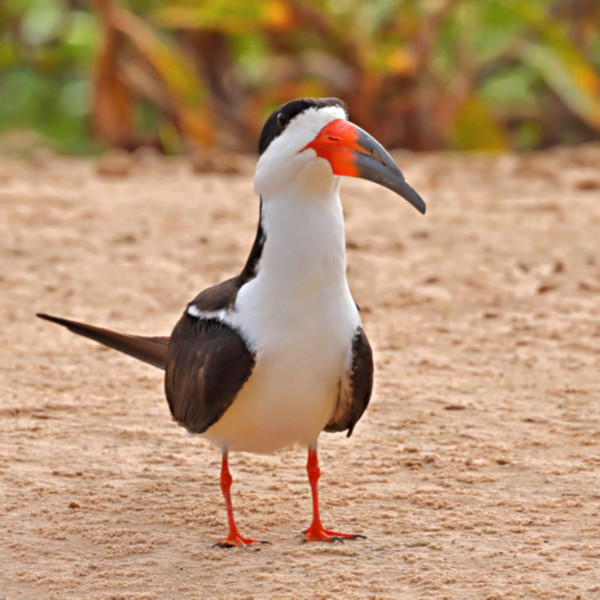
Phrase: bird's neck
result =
(304, 243)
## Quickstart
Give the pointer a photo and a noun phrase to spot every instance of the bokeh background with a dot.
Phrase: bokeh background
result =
(81, 76)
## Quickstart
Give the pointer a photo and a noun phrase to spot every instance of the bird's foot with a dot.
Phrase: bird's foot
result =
(237, 541)
(317, 533)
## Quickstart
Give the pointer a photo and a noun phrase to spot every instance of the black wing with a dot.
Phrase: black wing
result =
(207, 365)
(355, 387)
(208, 362)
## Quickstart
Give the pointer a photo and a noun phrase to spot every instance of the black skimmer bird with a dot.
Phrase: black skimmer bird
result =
(276, 355)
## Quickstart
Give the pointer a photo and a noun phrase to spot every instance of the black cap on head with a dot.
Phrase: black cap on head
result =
(280, 118)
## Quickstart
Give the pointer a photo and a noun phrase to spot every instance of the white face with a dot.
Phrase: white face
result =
(284, 162)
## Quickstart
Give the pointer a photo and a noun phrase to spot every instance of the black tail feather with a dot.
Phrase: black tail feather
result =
(152, 350)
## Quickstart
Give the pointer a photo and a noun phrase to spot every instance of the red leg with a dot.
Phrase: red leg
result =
(316, 532)
(234, 538)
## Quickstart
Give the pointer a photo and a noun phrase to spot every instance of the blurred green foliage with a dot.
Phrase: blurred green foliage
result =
(423, 74)
(46, 48)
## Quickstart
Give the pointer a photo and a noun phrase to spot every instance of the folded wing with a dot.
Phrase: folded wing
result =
(355, 387)
(207, 365)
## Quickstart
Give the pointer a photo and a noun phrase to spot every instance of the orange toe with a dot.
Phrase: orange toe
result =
(320, 534)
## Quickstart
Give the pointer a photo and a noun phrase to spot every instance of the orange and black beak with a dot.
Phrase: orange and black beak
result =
(352, 152)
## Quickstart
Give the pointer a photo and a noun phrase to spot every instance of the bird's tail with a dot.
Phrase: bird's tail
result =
(152, 350)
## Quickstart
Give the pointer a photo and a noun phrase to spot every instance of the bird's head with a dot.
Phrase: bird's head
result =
(310, 142)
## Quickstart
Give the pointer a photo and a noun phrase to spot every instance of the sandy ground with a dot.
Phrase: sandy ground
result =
(475, 472)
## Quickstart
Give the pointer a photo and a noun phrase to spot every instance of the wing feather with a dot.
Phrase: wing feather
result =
(207, 365)
(355, 387)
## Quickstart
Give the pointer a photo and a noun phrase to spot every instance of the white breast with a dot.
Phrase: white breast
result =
(299, 317)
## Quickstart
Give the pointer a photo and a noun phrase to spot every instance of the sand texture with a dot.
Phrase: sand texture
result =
(475, 473)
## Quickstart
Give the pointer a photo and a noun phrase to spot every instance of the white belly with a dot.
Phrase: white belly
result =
(283, 403)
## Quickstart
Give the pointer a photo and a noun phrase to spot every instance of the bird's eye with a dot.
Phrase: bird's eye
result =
(281, 119)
